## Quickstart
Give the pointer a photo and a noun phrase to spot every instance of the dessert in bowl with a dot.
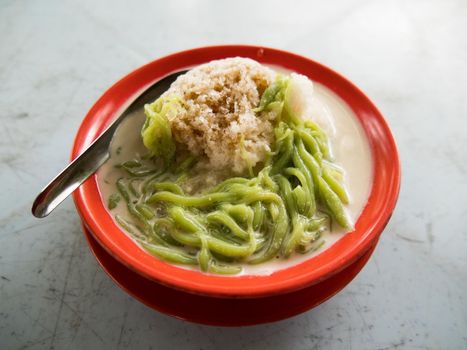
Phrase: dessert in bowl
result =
(258, 173)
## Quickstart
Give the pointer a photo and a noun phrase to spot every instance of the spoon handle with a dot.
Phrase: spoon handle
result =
(95, 155)
(72, 176)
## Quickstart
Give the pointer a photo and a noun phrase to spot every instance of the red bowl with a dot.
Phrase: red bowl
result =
(222, 311)
(344, 253)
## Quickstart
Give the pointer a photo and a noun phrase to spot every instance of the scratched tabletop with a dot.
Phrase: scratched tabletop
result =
(58, 57)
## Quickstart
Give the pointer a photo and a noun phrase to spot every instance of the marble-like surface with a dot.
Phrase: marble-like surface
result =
(57, 57)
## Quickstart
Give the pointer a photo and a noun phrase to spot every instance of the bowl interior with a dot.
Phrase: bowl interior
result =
(381, 201)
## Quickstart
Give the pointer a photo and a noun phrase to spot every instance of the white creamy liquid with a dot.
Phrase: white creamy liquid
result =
(349, 145)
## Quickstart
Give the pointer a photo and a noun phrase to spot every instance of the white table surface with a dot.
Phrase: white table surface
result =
(56, 59)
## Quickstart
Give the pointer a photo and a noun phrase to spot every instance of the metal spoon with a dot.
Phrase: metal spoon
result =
(94, 156)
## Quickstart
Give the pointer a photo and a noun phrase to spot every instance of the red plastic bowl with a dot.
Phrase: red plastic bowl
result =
(222, 311)
(346, 251)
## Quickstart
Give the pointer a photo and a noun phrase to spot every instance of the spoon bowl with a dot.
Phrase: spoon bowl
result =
(87, 163)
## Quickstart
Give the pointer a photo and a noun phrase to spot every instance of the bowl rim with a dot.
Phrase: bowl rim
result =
(374, 217)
